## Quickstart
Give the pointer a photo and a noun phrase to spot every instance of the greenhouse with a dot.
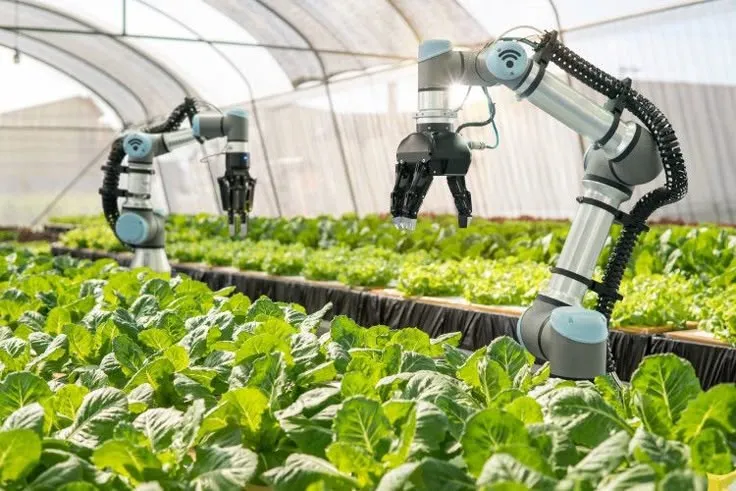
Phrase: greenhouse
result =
(332, 245)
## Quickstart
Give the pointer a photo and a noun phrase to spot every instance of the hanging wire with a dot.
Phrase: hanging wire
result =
(16, 54)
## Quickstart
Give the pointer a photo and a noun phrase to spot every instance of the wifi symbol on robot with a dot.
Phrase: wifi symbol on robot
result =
(510, 57)
(507, 60)
(137, 145)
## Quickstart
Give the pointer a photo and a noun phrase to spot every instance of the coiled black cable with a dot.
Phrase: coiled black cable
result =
(668, 146)
(113, 167)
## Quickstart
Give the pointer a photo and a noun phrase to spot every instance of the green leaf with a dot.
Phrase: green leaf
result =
(276, 327)
(339, 355)
(468, 372)
(320, 374)
(662, 387)
(186, 432)
(637, 477)
(616, 395)
(78, 486)
(55, 352)
(414, 362)
(20, 389)
(64, 467)
(493, 379)
(141, 398)
(683, 479)
(81, 342)
(56, 319)
(66, 401)
(303, 471)
(412, 339)
(238, 304)
(125, 458)
(584, 414)
(130, 356)
(486, 432)
(354, 461)
(245, 407)
(361, 422)
(20, 451)
(423, 429)
(710, 452)
(156, 339)
(158, 372)
(345, 332)
(714, 408)
(525, 409)
(605, 458)
(264, 306)
(30, 417)
(555, 443)
(305, 349)
(96, 418)
(313, 320)
(261, 344)
(178, 357)
(430, 475)
(657, 451)
(15, 353)
(223, 468)
(158, 424)
(312, 402)
(428, 386)
(502, 468)
(510, 355)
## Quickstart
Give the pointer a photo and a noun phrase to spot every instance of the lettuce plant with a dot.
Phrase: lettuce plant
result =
(117, 379)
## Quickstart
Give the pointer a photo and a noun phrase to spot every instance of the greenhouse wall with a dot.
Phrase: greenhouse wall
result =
(315, 152)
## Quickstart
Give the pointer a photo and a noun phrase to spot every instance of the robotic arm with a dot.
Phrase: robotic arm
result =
(143, 228)
(625, 154)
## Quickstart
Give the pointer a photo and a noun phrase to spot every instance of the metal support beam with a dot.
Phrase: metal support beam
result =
(125, 17)
(335, 123)
(637, 15)
(151, 37)
(91, 30)
(73, 77)
(116, 81)
(256, 119)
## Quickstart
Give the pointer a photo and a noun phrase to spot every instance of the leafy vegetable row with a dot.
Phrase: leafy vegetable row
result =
(112, 379)
(648, 300)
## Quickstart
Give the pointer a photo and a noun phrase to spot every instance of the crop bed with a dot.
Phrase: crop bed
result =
(118, 379)
(680, 277)
(479, 325)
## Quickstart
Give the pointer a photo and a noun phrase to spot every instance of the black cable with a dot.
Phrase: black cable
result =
(675, 186)
(110, 190)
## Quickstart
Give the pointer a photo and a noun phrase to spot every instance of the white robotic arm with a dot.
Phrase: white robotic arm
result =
(143, 228)
(625, 154)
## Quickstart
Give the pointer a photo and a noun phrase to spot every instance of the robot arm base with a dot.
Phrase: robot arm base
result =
(572, 339)
(145, 232)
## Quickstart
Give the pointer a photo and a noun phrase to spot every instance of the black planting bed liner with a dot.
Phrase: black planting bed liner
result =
(713, 364)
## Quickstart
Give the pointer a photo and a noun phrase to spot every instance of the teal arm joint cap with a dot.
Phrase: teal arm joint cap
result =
(579, 324)
(132, 228)
(137, 145)
(195, 125)
(238, 112)
(507, 60)
(433, 47)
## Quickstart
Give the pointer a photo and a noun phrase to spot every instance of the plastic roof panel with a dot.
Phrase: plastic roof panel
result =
(268, 29)
(152, 84)
(111, 90)
(444, 19)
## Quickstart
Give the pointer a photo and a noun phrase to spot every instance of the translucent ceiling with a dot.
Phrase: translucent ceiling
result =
(142, 56)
